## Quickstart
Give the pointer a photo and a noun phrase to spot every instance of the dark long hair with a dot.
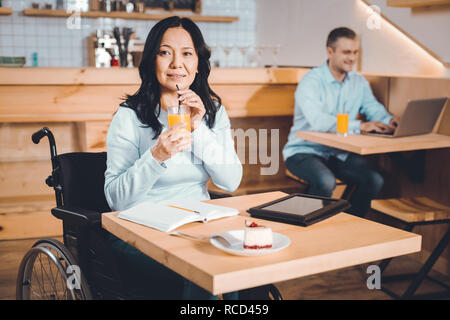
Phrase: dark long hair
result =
(145, 102)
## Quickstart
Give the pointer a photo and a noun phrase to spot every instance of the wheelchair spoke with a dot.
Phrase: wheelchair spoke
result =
(55, 277)
(58, 283)
(52, 279)
(42, 282)
(47, 276)
(44, 277)
(48, 280)
(32, 287)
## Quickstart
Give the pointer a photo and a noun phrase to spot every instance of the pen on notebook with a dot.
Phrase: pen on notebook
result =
(183, 208)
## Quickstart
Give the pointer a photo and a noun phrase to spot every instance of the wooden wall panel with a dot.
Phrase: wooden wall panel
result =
(24, 166)
(402, 89)
(257, 100)
(93, 135)
(61, 99)
(380, 88)
(68, 76)
(253, 76)
(24, 178)
(24, 223)
(277, 129)
(16, 144)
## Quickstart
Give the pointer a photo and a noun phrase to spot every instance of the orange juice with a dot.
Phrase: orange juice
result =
(173, 119)
(342, 124)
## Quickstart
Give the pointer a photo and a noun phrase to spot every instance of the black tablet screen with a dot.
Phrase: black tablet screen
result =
(298, 205)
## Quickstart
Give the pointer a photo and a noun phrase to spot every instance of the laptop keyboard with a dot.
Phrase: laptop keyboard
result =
(382, 133)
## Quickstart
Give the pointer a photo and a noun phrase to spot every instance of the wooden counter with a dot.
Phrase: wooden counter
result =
(91, 94)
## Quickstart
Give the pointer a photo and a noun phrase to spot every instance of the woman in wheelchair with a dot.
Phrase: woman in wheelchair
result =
(147, 160)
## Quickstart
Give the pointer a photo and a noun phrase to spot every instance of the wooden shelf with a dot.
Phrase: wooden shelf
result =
(416, 3)
(5, 11)
(125, 15)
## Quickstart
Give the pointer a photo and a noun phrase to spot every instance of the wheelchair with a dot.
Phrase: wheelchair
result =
(84, 267)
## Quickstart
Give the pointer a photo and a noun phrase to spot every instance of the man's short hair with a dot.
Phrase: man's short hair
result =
(337, 33)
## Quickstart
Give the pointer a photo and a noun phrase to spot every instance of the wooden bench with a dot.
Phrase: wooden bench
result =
(342, 190)
(252, 187)
(411, 212)
(288, 184)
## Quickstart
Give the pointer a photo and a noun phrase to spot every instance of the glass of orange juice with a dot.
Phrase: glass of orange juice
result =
(177, 114)
(342, 124)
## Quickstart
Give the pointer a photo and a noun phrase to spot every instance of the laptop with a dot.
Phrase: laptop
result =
(419, 117)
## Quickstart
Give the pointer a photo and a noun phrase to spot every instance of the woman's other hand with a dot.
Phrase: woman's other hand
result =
(171, 141)
(192, 100)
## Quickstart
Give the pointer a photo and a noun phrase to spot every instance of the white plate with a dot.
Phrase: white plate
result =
(237, 248)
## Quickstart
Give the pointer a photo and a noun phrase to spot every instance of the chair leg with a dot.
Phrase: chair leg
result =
(383, 265)
(427, 266)
(348, 191)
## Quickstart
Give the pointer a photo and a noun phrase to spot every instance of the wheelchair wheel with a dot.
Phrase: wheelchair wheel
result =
(48, 271)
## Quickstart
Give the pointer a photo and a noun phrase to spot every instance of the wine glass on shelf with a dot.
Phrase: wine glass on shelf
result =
(243, 50)
(259, 55)
(215, 55)
(275, 52)
(252, 57)
(227, 50)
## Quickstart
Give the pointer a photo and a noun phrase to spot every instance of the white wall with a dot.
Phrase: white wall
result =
(428, 25)
(301, 27)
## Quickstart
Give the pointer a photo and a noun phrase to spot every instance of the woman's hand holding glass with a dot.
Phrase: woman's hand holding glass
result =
(191, 99)
(171, 141)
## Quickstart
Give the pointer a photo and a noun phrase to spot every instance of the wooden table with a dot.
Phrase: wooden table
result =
(364, 145)
(338, 242)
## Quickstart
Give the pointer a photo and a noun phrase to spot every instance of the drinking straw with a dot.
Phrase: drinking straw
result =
(178, 100)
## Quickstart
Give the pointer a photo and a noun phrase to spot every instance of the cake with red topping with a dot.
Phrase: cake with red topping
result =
(257, 236)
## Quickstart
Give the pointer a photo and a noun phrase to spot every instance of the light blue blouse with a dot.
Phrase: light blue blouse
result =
(318, 99)
(133, 175)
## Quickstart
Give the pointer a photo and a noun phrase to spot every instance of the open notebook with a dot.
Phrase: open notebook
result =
(169, 215)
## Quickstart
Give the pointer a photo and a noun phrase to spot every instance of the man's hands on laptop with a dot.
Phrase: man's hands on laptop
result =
(377, 127)
(394, 121)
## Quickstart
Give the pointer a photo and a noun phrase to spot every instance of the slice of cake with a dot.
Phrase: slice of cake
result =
(257, 236)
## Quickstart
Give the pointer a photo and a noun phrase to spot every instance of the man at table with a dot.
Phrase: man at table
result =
(322, 93)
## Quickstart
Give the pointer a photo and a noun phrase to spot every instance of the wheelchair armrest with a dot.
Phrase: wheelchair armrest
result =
(218, 195)
(79, 216)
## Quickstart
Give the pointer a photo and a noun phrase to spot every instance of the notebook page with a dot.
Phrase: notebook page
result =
(158, 216)
(207, 211)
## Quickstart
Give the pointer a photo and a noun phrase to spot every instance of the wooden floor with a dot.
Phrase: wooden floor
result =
(345, 284)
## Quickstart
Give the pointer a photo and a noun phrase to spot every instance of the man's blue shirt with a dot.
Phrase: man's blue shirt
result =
(319, 98)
